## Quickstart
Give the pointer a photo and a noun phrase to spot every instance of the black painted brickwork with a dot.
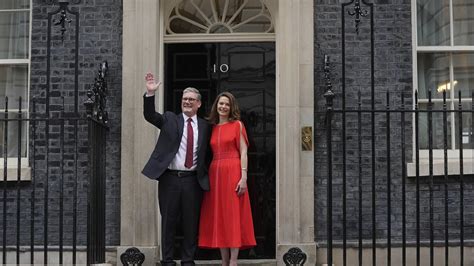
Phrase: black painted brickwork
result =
(393, 73)
(100, 39)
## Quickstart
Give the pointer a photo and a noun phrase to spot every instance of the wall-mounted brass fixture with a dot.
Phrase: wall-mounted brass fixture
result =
(307, 138)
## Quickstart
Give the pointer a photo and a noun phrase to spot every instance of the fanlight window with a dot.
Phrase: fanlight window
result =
(220, 16)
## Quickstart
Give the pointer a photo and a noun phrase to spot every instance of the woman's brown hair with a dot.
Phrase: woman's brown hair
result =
(234, 112)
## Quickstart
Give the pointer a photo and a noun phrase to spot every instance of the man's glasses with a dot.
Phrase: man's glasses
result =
(188, 100)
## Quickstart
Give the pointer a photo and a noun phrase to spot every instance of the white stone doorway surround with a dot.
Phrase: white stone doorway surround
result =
(143, 42)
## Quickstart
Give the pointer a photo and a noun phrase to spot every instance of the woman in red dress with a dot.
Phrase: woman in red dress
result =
(226, 217)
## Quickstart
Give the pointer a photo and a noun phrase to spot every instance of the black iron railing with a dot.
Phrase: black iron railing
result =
(43, 183)
(97, 132)
(58, 181)
(373, 155)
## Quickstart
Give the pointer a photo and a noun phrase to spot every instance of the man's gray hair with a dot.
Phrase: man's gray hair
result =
(194, 90)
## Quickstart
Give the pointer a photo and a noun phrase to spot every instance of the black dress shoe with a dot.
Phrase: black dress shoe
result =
(167, 263)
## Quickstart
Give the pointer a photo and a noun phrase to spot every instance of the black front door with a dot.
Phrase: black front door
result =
(247, 70)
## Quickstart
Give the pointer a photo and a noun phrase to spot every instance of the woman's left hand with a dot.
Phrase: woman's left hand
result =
(241, 187)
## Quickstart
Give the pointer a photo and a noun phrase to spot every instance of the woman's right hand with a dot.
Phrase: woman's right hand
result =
(151, 84)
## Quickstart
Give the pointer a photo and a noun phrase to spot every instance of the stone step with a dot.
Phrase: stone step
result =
(240, 262)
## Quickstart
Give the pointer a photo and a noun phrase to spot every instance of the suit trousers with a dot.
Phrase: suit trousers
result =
(179, 195)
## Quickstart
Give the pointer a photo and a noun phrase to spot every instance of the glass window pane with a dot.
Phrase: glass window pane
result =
(255, 20)
(14, 4)
(12, 136)
(433, 22)
(467, 134)
(433, 75)
(463, 11)
(13, 83)
(463, 65)
(14, 34)
(436, 130)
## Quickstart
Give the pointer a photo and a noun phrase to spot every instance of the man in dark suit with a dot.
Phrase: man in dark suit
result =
(180, 165)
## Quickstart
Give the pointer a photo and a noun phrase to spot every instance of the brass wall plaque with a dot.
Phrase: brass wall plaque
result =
(307, 138)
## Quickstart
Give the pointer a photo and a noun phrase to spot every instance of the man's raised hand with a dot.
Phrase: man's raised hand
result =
(151, 84)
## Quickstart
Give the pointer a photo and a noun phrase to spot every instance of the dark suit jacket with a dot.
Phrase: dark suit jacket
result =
(171, 126)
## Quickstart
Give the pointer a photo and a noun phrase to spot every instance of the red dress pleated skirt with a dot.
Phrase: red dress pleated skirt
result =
(226, 219)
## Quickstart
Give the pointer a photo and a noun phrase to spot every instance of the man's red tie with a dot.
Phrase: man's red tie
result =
(189, 145)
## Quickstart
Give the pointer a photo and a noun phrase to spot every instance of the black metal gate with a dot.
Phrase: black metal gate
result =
(371, 136)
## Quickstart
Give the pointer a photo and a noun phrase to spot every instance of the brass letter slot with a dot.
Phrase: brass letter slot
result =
(307, 138)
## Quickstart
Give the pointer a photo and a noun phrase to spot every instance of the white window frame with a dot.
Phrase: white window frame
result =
(438, 154)
(12, 162)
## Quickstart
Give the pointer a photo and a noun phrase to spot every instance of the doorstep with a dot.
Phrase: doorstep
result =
(240, 262)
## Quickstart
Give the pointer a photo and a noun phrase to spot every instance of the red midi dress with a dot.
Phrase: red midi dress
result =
(226, 218)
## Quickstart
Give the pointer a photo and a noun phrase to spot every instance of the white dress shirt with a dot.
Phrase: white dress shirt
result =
(178, 162)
